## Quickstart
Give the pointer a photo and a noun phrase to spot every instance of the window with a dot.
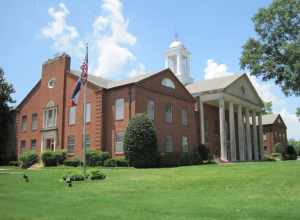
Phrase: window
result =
(168, 113)
(72, 115)
(24, 123)
(168, 83)
(119, 142)
(87, 141)
(88, 112)
(185, 144)
(34, 121)
(265, 137)
(119, 109)
(50, 115)
(51, 83)
(71, 144)
(184, 117)
(169, 144)
(151, 109)
(33, 144)
(22, 146)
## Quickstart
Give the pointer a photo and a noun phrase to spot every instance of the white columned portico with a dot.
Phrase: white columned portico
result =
(241, 133)
(222, 130)
(261, 136)
(254, 129)
(202, 122)
(248, 135)
(232, 132)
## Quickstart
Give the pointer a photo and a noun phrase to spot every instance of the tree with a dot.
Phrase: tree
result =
(268, 108)
(6, 90)
(275, 53)
(295, 144)
(140, 142)
(298, 113)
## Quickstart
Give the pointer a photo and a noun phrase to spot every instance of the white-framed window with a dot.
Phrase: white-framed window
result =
(88, 112)
(33, 144)
(168, 112)
(22, 145)
(34, 121)
(71, 144)
(72, 115)
(168, 83)
(169, 144)
(119, 146)
(151, 109)
(51, 83)
(184, 117)
(87, 141)
(119, 104)
(265, 137)
(24, 123)
(185, 144)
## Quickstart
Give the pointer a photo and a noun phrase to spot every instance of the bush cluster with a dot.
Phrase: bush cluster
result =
(140, 142)
(72, 163)
(97, 175)
(182, 159)
(116, 162)
(95, 158)
(53, 158)
(289, 153)
(28, 158)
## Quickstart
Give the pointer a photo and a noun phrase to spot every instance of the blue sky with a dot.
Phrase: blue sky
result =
(131, 37)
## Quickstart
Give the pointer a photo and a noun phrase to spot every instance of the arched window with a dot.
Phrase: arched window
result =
(168, 83)
(50, 115)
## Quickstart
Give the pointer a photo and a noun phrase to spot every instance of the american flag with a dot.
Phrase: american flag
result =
(81, 80)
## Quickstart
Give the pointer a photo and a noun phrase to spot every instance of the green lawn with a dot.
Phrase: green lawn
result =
(266, 190)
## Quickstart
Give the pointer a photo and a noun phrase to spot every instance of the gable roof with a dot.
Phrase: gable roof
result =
(109, 84)
(269, 119)
(219, 83)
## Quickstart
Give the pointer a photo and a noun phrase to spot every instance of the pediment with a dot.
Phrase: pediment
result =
(243, 89)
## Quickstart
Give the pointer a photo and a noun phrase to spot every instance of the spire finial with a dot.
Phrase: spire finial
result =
(176, 36)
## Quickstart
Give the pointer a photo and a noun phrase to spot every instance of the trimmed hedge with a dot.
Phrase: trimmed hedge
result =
(116, 162)
(97, 175)
(28, 158)
(72, 163)
(179, 159)
(53, 158)
(95, 158)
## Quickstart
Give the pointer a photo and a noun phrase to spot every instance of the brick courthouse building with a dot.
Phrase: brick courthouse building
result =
(214, 112)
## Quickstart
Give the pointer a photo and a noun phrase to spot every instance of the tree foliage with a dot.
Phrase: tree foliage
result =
(298, 113)
(268, 108)
(140, 142)
(6, 90)
(275, 53)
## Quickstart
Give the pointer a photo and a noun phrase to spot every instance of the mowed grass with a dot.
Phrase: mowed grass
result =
(265, 190)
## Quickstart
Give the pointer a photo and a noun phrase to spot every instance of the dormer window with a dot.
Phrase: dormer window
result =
(168, 83)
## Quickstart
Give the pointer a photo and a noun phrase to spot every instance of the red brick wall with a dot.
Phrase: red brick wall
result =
(272, 133)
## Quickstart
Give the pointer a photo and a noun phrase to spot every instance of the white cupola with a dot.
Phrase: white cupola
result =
(178, 59)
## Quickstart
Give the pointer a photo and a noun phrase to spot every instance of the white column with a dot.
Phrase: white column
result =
(241, 133)
(202, 122)
(254, 129)
(232, 132)
(248, 136)
(261, 136)
(222, 129)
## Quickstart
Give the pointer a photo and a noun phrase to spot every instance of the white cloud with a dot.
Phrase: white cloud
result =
(139, 70)
(292, 123)
(58, 29)
(215, 70)
(110, 42)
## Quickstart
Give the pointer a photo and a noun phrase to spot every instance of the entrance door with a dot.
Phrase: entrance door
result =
(50, 144)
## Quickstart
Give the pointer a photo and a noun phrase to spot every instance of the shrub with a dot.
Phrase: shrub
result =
(140, 142)
(168, 160)
(72, 163)
(53, 158)
(14, 163)
(74, 177)
(289, 153)
(116, 162)
(203, 152)
(95, 158)
(97, 175)
(28, 158)
(110, 163)
(190, 159)
(278, 148)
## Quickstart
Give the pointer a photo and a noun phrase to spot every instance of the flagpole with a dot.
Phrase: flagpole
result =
(84, 123)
